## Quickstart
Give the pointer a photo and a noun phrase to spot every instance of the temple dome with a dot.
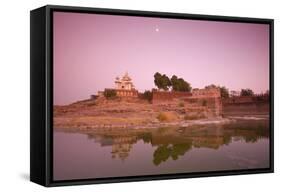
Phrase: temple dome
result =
(124, 83)
(126, 77)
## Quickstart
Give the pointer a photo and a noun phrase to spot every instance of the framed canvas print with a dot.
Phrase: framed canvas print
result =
(123, 95)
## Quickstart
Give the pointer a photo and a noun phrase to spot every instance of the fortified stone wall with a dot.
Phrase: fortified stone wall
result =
(163, 96)
(247, 105)
(211, 98)
(207, 101)
(158, 96)
(212, 105)
(245, 109)
(247, 99)
(206, 93)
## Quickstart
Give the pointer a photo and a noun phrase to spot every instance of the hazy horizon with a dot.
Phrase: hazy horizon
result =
(91, 50)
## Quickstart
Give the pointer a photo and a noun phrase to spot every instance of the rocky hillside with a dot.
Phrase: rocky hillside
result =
(130, 112)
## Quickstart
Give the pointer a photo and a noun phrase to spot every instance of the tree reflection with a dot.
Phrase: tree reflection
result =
(163, 152)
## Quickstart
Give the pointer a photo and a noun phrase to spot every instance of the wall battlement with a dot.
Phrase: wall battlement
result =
(163, 96)
(247, 99)
(160, 96)
(206, 93)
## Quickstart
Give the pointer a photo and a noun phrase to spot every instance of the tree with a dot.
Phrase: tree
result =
(224, 92)
(166, 82)
(158, 80)
(183, 85)
(179, 84)
(109, 93)
(162, 81)
(246, 92)
(211, 86)
(174, 82)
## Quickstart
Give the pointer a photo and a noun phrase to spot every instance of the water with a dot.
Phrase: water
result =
(129, 152)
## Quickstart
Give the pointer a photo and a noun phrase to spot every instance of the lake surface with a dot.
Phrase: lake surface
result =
(128, 152)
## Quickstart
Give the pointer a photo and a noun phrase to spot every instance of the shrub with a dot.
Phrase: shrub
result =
(110, 93)
(147, 95)
(246, 92)
(181, 104)
(167, 116)
(162, 117)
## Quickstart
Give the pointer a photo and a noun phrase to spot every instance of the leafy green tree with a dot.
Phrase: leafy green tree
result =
(174, 82)
(166, 82)
(246, 92)
(158, 80)
(179, 84)
(184, 86)
(162, 81)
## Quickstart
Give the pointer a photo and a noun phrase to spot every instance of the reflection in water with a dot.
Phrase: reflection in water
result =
(174, 143)
(163, 152)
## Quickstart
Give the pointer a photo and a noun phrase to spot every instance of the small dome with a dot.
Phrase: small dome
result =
(126, 77)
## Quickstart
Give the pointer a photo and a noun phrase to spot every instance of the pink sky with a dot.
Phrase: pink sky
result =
(90, 50)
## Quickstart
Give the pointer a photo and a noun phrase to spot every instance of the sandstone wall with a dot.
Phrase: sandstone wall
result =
(249, 108)
(206, 93)
(211, 105)
(162, 96)
(202, 103)
(247, 105)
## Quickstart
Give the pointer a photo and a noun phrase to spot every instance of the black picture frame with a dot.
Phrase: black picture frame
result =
(41, 94)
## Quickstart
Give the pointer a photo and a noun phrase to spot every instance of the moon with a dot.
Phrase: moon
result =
(157, 29)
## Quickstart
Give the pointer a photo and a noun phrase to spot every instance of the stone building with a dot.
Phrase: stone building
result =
(124, 83)
(124, 86)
